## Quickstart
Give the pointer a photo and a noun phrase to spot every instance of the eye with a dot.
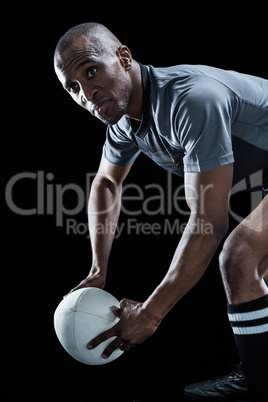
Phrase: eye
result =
(73, 87)
(91, 71)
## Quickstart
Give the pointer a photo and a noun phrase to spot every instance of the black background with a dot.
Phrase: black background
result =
(44, 130)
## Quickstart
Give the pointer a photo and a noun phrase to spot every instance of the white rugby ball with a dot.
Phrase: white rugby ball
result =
(80, 317)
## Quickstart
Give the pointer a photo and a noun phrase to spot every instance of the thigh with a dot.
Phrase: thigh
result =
(253, 231)
(243, 261)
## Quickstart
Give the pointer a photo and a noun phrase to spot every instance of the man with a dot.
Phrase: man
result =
(184, 118)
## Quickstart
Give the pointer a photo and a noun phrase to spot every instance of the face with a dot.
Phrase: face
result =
(97, 81)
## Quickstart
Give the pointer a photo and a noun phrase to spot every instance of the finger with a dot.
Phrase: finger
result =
(116, 311)
(111, 348)
(71, 291)
(101, 338)
(125, 347)
(80, 286)
(124, 303)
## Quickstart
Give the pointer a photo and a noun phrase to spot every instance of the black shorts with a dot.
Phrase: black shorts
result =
(250, 166)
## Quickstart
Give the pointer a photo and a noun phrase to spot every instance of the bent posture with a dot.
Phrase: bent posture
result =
(192, 121)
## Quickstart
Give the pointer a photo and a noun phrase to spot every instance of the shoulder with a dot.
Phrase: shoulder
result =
(188, 83)
(207, 92)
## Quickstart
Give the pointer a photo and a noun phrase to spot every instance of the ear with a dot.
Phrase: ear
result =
(125, 57)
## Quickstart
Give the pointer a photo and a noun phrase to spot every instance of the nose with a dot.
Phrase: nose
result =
(88, 95)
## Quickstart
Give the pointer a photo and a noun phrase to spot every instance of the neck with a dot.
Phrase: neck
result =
(135, 102)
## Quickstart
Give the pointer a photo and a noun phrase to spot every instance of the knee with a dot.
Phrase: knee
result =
(241, 257)
(240, 269)
(232, 259)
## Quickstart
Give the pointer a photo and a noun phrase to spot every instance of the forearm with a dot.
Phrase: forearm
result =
(103, 213)
(188, 265)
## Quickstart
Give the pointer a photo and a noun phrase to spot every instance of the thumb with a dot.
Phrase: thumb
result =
(71, 291)
(116, 311)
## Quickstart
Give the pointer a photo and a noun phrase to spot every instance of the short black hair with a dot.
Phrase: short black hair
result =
(98, 33)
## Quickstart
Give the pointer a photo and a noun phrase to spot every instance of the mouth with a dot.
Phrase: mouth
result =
(101, 108)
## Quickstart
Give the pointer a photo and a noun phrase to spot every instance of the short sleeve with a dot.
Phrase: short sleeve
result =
(205, 126)
(119, 148)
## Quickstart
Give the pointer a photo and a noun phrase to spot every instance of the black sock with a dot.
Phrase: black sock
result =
(249, 322)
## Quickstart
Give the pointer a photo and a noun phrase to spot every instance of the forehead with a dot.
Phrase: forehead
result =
(73, 57)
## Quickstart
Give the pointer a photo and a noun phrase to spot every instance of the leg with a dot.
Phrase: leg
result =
(235, 276)
(244, 258)
(244, 268)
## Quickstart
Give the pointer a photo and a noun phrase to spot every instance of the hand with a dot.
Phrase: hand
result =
(134, 327)
(95, 280)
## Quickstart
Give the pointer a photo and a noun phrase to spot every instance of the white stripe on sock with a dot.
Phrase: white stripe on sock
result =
(259, 329)
(251, 315)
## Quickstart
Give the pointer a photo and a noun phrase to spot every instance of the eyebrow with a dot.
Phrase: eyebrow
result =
(67, 83)
(85, 62)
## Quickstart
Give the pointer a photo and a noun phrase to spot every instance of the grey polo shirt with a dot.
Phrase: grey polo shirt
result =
(190, 114)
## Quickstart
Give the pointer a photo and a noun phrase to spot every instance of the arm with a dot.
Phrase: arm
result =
(103, 213)
(207, 195)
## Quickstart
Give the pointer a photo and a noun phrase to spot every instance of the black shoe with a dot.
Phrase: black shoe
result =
(230, 387)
